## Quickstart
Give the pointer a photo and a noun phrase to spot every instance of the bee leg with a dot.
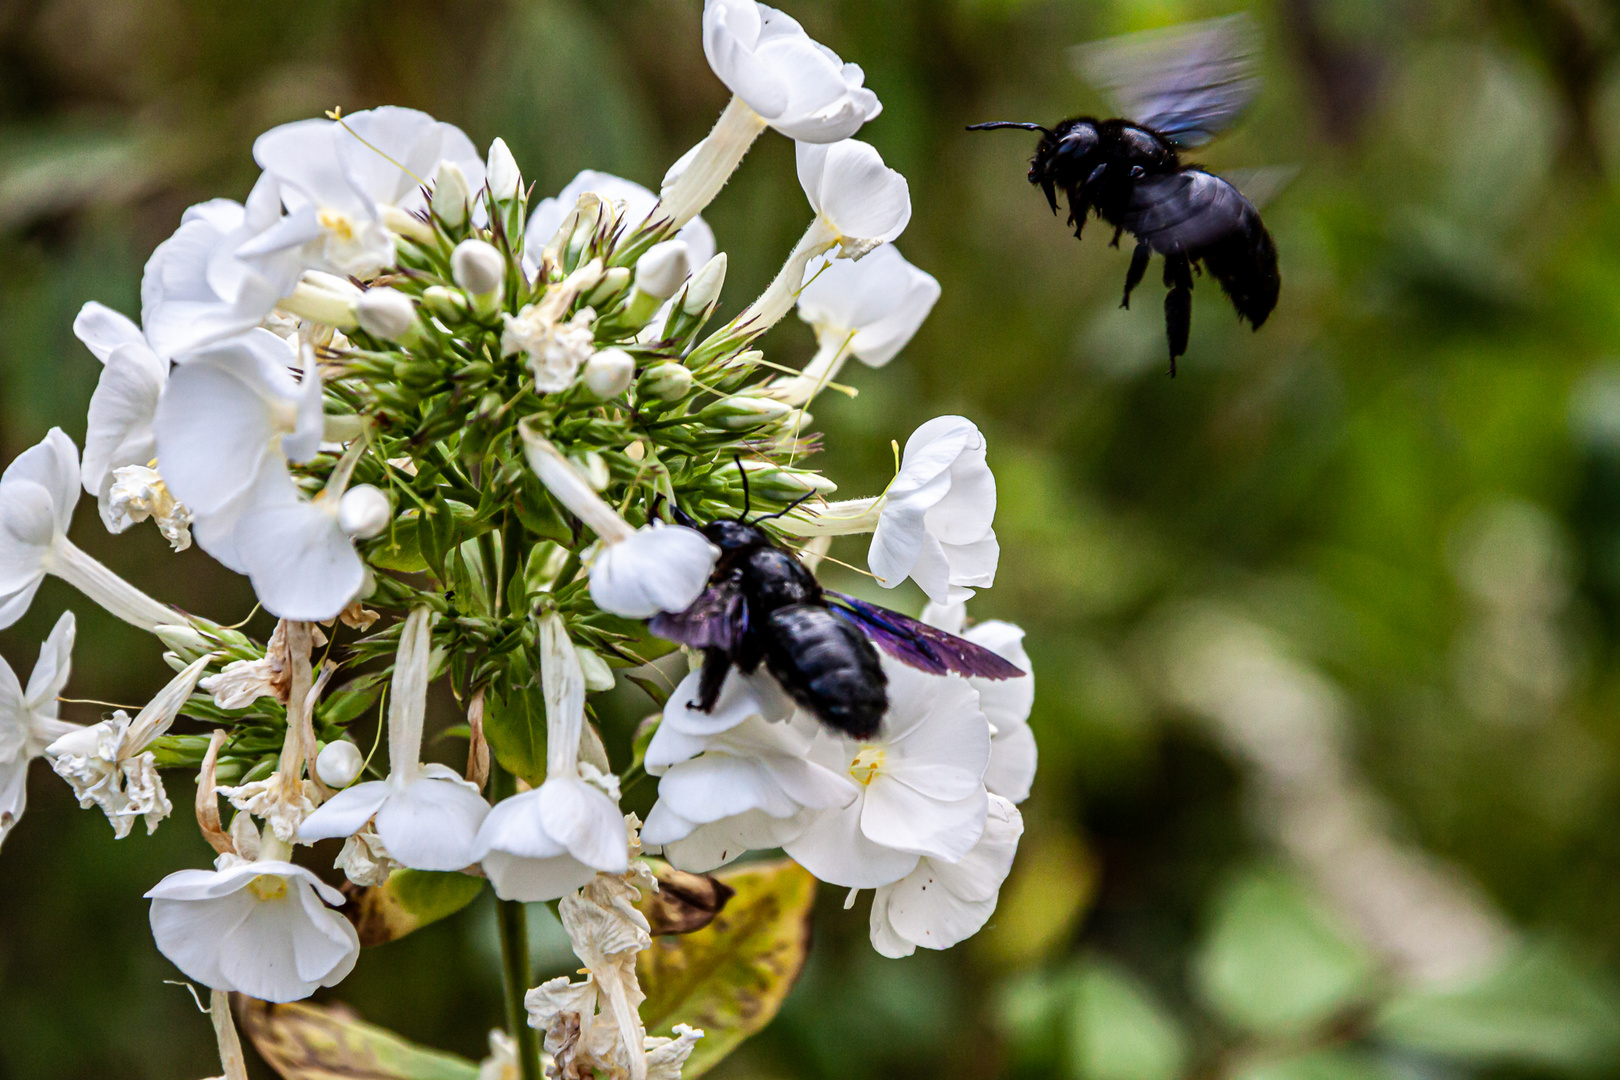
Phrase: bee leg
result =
(716, 665)
(1119, 231)
(1138, 270)
(1177, 306)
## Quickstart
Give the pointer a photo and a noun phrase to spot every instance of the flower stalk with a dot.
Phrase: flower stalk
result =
(117, 596)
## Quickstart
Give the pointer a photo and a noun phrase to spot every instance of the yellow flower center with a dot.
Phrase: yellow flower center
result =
(268, 887)
(868, 765)
(336, 223)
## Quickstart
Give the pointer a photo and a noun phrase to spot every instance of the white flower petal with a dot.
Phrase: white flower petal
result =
(899, 817)
(834, 847)
(708, 847)
(302, 564)
(515, 826)
(658, 568)
(103, 330)
(879, 303)
(585, 821)
(848, 184)
(533, 880)
(431, 823)
(1012, 763)
(344, 813)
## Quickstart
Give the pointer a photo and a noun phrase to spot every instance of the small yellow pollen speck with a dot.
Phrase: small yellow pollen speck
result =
(868, 764)
(268, 887)
(339, 224)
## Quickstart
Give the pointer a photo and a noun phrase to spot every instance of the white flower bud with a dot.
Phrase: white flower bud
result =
(451, 194)
(613, 283)
(668, 381)
(364, 511)
(505, 181)
(742, 413)
(664, 269)
(445, 303)
(183, 639)
(608, 373)
(706, 286)
(477, 267)
(598, 676)
(386, 313)
(594, 467)
(339, 764)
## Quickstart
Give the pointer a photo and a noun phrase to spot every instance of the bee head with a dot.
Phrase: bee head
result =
(735, 535)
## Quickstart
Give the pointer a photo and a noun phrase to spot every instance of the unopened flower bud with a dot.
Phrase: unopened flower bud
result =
(664, 269)
(451, 194)
(184, 640)
(323, 298)
(478, 267)
(777, 483)
(598, 676)
(595, 469)
(669, 381)
(386, 313)
(364, 512)
(505, 181)
(339, 763)
(742, 413)
(445, 303)
(612, 283)
(608, 373)
(706, 286)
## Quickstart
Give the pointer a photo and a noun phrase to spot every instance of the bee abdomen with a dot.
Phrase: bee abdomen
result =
(828, 667)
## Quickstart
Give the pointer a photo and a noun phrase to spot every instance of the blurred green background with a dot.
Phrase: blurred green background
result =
(1325, 628)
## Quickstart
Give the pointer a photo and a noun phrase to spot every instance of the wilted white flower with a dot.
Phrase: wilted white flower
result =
(258, 928)
(278, 801)
(340, 179)
(364, 860)
(28, 718)
(243, 682)
(921, 785)
(138, 493)
(735, 777)
(935, 522)
(542, 844)
(941, 903)
(108, 764)
(795, 84)
(1006, 702)
(38, 492)
(558, 345)
(196, 290)
(426, 815)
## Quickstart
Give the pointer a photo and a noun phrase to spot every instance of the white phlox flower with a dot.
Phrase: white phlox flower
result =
(230, 420)
(118, 434)
(942, 903)
(796, 84)
(594, 1024)
(545, 843)
(28, 718)
(349, 185)
(195, 290)
(261, 928)
(108, 764)
(636, 573)
(557, 344)
(921, 785)
(861, 200)
(632, 202)
(737, 778)
(38, 492)
(934, 525)
(1006, 702)
(425, 815)
(138, 493)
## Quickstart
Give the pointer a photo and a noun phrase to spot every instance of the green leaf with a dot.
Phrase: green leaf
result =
(1318, 1065)
(398, 550)
(1276, 964)
(313, 1042)
(731, 977)
(344, 705)
(436, 534)
(1119, 1032)
(515, 723)
(409, 900)
(538, 513)
(1537, 1008)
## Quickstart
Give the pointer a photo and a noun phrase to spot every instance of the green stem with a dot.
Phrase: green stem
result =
(513, 921)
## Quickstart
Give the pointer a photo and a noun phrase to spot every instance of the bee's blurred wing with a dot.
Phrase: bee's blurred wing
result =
(1188, 83)
(1260, 186)
(717, 619)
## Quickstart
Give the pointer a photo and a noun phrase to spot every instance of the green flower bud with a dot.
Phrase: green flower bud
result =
(448, 304)
(742, 413)
(668, 381)
(776, 482)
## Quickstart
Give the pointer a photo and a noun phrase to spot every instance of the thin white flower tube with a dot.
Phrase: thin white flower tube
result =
(28, 718)
(637, 573)
(426, 816)
(545, 843)
(38, 493)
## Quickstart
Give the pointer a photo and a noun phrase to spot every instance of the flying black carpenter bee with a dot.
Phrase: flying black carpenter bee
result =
(1180, 87)
(763, 606)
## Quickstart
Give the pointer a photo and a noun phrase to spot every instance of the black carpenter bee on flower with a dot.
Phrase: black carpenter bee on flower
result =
(763, 606)
(1179, 89)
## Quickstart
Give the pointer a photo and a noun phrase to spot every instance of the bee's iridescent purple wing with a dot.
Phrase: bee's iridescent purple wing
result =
(924, 647)
(717, 619)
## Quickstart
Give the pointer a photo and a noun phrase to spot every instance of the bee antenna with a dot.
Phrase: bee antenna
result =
(786, 509)
(747, 501)
(1022, 126)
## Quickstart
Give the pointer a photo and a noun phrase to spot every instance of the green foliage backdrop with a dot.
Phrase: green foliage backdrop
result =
(1329, 707)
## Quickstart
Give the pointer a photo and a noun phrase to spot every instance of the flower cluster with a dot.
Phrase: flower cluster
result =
(439, 428)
